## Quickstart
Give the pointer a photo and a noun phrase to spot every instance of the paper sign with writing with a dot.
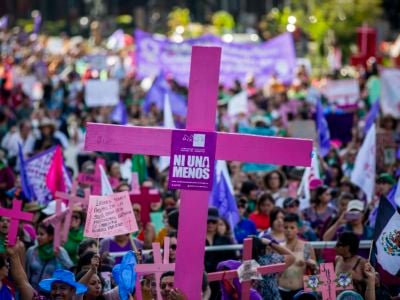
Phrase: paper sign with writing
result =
(342, 92)
(109, 216)
(192, 160)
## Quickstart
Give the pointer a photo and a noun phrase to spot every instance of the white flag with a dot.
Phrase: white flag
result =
(168, 123)
(363, 174)
(106, 188)
(238, 104)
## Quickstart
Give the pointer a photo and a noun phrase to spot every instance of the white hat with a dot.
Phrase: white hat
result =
(355, 205)
(51, 208)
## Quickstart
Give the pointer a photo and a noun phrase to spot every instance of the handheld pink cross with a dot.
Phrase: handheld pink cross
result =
(246, 285)
(72, 200)
(93, 180)
(327, 282)
(56, 220)
(203, 89)
(159, 267)
(15, 214)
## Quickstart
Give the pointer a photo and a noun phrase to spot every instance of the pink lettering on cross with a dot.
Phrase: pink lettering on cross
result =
(247, 256)
(56, 221)
(159, 266)
(327, 282)
(72, 200)
(15, 214)
(202, 103)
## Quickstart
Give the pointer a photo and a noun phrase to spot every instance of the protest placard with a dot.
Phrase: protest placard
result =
(385, 150)
(109, 216)
(101, 93)
(342, 92)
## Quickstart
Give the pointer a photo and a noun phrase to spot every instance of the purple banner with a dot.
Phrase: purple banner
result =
(261, 60)
(192, 160)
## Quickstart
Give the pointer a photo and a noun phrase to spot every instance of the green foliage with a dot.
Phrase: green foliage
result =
(178, 17)
(223, 22)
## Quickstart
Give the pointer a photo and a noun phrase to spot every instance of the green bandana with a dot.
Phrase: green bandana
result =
(75, 236)
(2, 245)
(46, 252)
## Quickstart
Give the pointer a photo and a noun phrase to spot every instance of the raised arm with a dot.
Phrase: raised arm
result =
(18, 273)
(286, 253)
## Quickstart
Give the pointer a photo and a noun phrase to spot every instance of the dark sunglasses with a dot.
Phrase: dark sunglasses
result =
(212, 221)
(76, 217)
(172, 246)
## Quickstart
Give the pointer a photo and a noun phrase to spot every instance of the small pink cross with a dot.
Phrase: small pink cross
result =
(247, 256)
(15, 214)
(159, 267)
(327, 282)
(56, 221)
(93, 180)
(72, 200)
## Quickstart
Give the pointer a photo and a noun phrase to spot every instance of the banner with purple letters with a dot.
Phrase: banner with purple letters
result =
(261, 60)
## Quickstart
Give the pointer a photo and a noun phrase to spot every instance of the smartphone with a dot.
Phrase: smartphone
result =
(352, 215)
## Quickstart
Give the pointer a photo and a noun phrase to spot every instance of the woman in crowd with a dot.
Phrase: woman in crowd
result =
(7, 291)
(319, 211)
(268, 252)
(41, 260)
(75, 234)
(276, 231)
(274, 182)
(224, 229)
(265, 204)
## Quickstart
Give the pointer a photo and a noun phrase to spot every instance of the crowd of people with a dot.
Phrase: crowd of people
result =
(43, 105)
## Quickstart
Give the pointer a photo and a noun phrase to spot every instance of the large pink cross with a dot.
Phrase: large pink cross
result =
(72, 200)
(327, 282)
(201, 116)
(247, 256)
(15, 214)
(56, 221)
(159, 266)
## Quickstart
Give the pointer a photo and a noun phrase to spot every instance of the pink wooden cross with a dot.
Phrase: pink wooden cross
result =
(56, 221)
(327, 282)
(203, 89)
(247, 256)
(15, 214)
(159, 266)
(72, 200)
(145, 198)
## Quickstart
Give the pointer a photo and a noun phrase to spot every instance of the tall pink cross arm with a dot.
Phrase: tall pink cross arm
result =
(159, 266)
(15, 214)
(93, 180)
(327, 282)
(56, 221)
(247, 256)
(72, 200)
(203, 88)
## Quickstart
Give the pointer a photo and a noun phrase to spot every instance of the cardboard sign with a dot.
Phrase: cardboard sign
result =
(192, 160)
(109, 216)
(101, 93)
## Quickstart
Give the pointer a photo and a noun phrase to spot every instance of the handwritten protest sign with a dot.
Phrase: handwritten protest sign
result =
(192, 160)
(110, 215)
(101, 93)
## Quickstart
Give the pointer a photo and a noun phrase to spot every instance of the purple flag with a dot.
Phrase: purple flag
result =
(323, 130)
(3, 22)
(119, 114)
(37, 22)
(371, 116)
(25, 184)
(222, 199)
(157, 93)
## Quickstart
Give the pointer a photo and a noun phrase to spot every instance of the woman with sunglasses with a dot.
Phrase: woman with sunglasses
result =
(6, 289)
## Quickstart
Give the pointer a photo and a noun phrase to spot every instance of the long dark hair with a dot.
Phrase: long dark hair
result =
(83, 273)
(274, 215)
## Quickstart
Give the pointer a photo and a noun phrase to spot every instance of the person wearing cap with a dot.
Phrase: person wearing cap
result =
(212, 258)
(351, 221)
(47, 136)
(60, 284)
(384, 184)
(41, 260)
